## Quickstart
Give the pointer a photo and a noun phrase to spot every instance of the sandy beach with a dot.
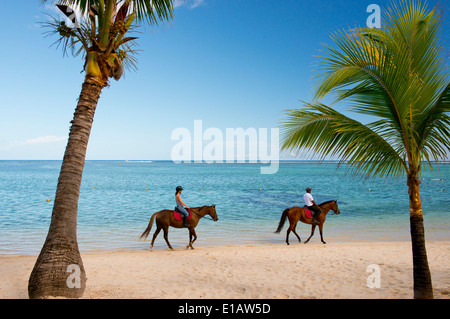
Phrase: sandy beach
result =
(335, 270)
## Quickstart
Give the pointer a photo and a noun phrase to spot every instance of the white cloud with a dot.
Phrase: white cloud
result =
(31, 141)
(45, 139)
(191, 4)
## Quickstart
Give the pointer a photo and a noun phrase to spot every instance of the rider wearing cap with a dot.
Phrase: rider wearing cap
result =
(181, 205)
(311, 205)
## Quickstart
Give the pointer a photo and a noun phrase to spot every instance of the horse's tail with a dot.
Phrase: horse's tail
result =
(149, 227)
(282, 220)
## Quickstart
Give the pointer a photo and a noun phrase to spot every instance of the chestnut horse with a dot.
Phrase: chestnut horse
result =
(296, 214)
(166, 218)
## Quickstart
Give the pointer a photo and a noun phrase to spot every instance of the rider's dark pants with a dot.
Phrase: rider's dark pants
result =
(316, 210)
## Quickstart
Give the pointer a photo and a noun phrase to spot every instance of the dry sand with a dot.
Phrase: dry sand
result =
(335, 270)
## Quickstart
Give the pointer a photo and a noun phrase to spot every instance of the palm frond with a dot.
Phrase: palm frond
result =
(434, 128)
(319, 128)
(365, 73)
(153, 10)
(120, 51)
(150, 11)
(69, 38)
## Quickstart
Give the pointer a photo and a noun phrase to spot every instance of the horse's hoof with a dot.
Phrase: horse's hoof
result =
(323, 242)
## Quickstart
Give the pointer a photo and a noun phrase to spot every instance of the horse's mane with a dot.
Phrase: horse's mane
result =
(328, 201)
(200, 207)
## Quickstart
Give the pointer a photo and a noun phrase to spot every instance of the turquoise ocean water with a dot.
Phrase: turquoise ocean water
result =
(115, 207)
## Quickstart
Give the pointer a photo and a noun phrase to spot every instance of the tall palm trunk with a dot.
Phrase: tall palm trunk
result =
(51, 275)
(423, 288)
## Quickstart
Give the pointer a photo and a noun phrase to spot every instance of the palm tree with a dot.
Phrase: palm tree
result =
(395, 76)
(103, 39)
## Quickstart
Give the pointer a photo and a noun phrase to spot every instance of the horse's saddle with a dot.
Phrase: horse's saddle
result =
(177, 214)
(308, 212)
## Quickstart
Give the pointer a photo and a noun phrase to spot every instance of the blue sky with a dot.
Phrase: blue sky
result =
(229, 63)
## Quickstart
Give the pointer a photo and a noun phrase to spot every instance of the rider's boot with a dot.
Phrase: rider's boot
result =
(185, 221)
(315, 221)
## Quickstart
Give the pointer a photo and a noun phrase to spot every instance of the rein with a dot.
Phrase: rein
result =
(334, 213)
(210, 218)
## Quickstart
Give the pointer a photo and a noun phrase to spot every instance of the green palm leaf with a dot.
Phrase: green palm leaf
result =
(104, 32)
(325, 131)
(146, 10)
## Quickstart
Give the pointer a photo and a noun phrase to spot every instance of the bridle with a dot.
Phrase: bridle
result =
(210, 218)
(334, 213)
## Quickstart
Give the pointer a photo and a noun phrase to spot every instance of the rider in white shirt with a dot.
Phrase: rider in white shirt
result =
(311, 205)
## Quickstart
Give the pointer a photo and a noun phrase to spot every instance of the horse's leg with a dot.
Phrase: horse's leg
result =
(158, 229)
(190, 239)
(195, 238)
(166, 237)
(320, 230)
(312, 233)
(287, 235)
(298, 237)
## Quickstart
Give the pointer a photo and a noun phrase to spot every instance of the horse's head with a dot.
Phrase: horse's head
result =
(335, 208)
(212, 213)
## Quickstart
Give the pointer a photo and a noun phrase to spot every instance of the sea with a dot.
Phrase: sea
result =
(117, 199)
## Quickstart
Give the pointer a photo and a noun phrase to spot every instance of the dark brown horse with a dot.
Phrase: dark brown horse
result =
(296, 214)
(166, 218)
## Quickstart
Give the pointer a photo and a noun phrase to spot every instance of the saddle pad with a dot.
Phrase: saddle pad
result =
(308, 213)
(177, 215)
